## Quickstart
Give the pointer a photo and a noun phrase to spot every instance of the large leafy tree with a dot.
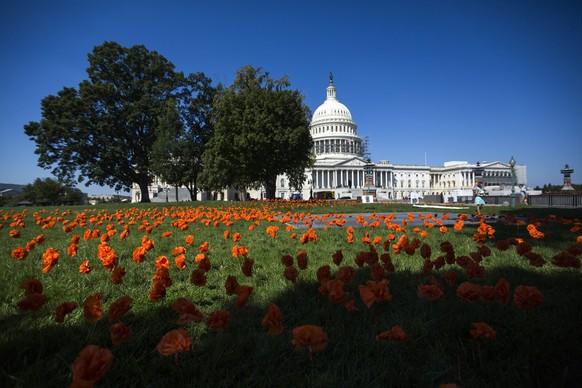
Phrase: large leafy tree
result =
(103, 133)
(261, 131)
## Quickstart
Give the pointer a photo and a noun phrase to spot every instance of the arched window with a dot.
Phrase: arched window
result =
(282, 182)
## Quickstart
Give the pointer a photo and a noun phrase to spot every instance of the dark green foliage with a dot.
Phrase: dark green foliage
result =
(103, 132)
(262, 130)
(50, 192)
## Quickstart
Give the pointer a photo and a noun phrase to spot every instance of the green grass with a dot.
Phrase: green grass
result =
(533, 348)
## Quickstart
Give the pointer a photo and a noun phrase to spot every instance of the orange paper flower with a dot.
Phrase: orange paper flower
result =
(91, 363)
(482, 330)
(32, 286)
(527, 297)
(119, 333)
(309, 337)
(32, 302)
(375, 292)
(243, 293)
(92, 308)
(273, 320)
(394, 334)
(188, 311)
(174, 341)
(218, 320)
(119, 307)
(85, 267)
(63, 309)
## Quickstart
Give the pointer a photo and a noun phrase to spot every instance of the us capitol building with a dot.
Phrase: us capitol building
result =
(342, 170)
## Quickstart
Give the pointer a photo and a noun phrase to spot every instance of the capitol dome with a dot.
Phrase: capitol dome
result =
(331, 109)
(333, 130)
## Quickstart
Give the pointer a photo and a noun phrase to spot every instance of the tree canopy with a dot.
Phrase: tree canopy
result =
(261, 131)
(104, 131)
(50, 192)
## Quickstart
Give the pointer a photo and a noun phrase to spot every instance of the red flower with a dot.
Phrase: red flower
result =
(218, 320)
(468, 292)
(502, 290)
(566, 260)
(158, 290)
(119, 333)
(346, 274)
(425, 251)
(50, 258)
(375, 292)
(198, 277)
(247, 267)
(450, 277)
(231, 285)
(309, 337)
(323, 273)
(302, 259)
(337, 257)
(527, 297)
(119, 307)
(92, 308)
(32, 286)
(188, 310)
(19, 253)
(430, 291)
(91, 363)
(162, 261)
(394, 334)
(139, 254)
(482, 330)
(273, 320)
(63, 309)
(174, 341)
(377, 271)
(85, 267)
(243, 292)
(180, 261)
(117, 275)
(291, 273)
(287, 260)
(32, 302)
(334, 289)
(203, 247)
(189, 239)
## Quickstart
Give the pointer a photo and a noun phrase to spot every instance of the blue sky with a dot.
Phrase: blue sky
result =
(443, 80)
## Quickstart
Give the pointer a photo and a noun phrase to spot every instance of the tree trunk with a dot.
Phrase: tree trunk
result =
(143, 188)
(177, 200)
(194, 192)
(271, 187)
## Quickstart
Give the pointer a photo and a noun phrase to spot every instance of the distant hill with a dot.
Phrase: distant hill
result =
(10, 189)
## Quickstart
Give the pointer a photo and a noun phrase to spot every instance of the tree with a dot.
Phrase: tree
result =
(183, 133)
(261, 131)
(166, 152)
(51, 192)
(104, 131)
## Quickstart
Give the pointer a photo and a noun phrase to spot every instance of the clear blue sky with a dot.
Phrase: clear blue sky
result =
(477, 80)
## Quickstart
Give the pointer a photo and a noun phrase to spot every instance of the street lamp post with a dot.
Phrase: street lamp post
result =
(368, 172)
(512, 165)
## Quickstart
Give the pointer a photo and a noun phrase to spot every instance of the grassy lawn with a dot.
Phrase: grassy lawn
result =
(536, 321)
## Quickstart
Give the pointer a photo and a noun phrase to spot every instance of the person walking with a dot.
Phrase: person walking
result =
(478, 193)
(522, 194)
